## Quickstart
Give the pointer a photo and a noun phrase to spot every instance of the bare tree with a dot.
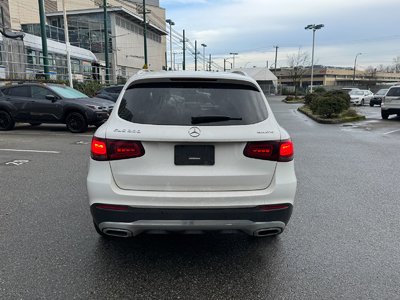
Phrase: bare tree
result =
(396, 64)
(297, 67)
(370, 73)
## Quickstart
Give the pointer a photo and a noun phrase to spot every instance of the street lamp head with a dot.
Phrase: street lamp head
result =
(233, 53)
(314, 27)
(204, 45)
(170, 22)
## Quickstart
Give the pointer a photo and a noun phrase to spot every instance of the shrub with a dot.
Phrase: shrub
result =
(328, 105)
(342, 94)
(319, 90)
(351, 112)
(289, 98)
(309, 98)
(88, 87)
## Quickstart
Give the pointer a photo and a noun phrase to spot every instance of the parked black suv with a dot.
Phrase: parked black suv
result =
(110, 92)
(36, 103)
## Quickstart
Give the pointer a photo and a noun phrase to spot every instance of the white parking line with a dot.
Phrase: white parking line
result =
(392, 131)
(33, 151)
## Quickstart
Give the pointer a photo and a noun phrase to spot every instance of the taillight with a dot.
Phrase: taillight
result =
(99, 149)
(286, 151)
(271, 150)
(105, 149)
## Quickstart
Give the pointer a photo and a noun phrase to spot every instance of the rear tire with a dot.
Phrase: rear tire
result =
(6, 121)
(362, 102)
(371, 105)
(76, 122)
(384, 115)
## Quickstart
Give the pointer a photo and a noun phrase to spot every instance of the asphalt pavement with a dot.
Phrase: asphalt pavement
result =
(342, 242)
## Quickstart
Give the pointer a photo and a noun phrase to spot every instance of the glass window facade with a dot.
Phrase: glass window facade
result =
(85, 31)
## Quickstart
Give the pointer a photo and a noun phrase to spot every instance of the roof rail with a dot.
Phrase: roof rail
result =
(143, 71)
(240, 72)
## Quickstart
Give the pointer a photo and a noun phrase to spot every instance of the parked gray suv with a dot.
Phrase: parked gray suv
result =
(391, 102)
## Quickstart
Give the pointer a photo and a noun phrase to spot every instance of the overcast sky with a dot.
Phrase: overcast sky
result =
(253, 27)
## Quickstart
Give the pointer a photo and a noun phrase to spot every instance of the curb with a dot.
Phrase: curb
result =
(329, 121)
(293, 102)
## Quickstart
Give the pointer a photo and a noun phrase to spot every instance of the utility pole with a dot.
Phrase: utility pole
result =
(204, 56)
(44, 39)
(66, 34)
(195, 55)
(233, 58)
(173, 62)
(146, 66)
(184, 52)
(276, 57)
(209, 64)
(106, 42)
(171, 23)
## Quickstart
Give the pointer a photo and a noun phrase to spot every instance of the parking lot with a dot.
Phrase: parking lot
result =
(341, 243)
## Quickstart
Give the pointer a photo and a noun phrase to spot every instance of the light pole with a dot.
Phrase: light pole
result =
(146, 64)
(276, 61)
(67, 45)
(204, 56)
(314, 28)
(233, 58)
(355, 63)
(171, 23)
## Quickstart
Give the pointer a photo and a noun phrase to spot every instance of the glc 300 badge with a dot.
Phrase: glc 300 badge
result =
(194, 131)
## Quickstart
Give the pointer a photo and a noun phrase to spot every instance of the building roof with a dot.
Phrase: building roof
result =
(259, 74)
(118, 10)
(57, 47)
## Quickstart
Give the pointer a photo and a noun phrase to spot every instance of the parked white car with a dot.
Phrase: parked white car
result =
(360, 97)
(191, 151)
(391, 102)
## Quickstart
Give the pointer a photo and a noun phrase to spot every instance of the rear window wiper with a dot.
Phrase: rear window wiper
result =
(210, 119)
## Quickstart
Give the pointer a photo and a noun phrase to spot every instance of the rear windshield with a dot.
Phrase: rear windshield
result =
(394, 92)
(381, 92)
(189, 103)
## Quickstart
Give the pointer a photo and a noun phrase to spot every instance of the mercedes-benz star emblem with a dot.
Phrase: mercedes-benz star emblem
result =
(194, 131)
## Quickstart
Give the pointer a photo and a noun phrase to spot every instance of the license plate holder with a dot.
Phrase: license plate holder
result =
(194, 155)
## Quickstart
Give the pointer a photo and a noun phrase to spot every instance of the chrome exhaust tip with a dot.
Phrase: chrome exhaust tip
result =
(268, 232)
(117, 232)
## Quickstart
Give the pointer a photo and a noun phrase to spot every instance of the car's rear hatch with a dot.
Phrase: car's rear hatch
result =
(203, 156)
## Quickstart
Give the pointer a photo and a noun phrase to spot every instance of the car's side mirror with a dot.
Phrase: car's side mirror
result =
(52, 98)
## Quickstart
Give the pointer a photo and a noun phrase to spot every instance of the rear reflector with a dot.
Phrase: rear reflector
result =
(112, 207)
(105, 149)
(271, 150)
(273, 207)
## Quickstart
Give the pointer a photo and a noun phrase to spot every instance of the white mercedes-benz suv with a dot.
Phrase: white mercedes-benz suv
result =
(191, 152)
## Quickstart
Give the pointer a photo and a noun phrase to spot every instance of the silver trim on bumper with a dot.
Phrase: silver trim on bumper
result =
(137, 227)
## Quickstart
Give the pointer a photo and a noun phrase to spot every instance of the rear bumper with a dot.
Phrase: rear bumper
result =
(389, 110)
(133, 221)
(376, 101)
(102, 189)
